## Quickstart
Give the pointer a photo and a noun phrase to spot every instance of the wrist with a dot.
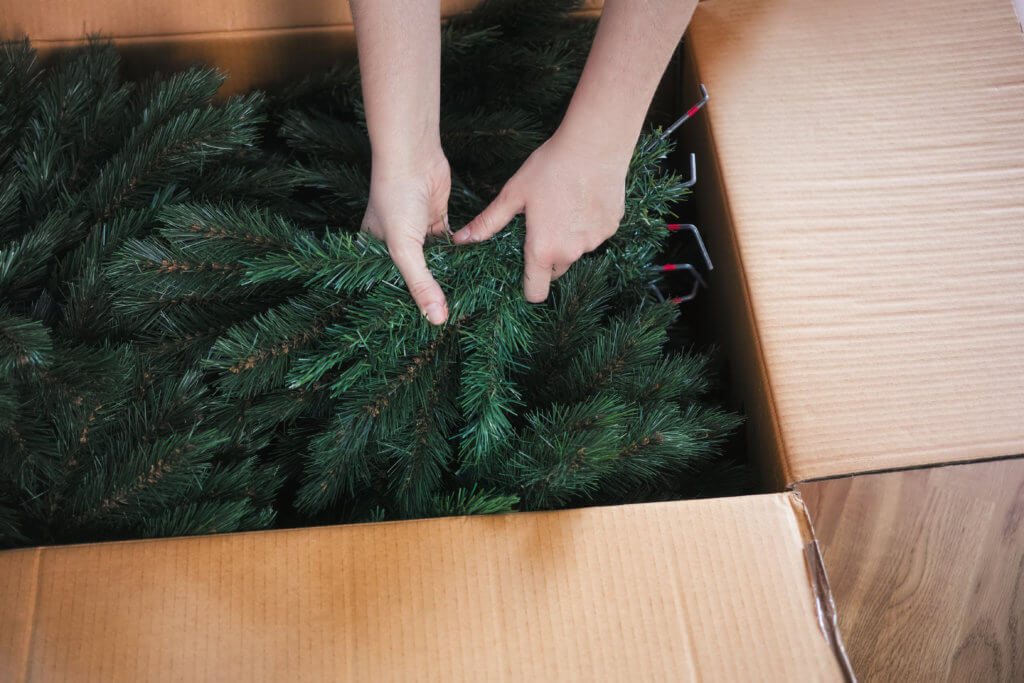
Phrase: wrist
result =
(596, 142)
(602, 131)
(400, 155)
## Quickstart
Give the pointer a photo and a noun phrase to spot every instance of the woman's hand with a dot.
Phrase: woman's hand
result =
(400, 62)
(572, 192)
(572, 187)
(408, 202)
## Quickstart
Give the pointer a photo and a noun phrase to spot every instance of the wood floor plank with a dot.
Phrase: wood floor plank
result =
(927, 568)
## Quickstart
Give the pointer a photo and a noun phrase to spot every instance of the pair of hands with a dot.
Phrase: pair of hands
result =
(571, 192)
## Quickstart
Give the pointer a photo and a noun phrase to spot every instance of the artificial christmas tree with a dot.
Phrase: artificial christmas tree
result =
(99, 438)
(551, 405)
(187, 349)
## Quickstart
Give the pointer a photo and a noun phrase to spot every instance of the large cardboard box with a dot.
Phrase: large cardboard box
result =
(862, 185)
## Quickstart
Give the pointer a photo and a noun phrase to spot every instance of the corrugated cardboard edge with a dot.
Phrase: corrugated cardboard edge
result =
(828, 619)
(598, 593)
(61, 20)
(255, 59)
(260, 58)
(730, 293)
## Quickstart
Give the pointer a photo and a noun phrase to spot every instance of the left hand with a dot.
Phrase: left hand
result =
(407, 202)
(573, 195)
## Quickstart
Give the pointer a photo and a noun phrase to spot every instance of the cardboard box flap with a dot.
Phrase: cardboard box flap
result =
(871, 157)
(56, 20)
(260, 44)
(710, 590)
(59, 21)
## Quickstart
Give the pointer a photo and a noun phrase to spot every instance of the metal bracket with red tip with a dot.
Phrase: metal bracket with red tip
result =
(692, 180)
(692, 229)
(698, 282)
(685, 117)
(698, 279)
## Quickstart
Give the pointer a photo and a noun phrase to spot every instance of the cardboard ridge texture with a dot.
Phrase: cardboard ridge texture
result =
(867, 163)
(690, 590)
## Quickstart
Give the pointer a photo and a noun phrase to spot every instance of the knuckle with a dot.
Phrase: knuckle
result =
(571, 253)
(369, 226)
(420, 288)
(508, 190)
(536, 254)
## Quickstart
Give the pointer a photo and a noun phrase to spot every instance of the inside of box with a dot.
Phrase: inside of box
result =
(874, 388)
(145, 52)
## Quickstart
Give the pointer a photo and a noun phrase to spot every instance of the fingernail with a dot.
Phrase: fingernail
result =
(460, 237)
(447, 227)
(435, 313)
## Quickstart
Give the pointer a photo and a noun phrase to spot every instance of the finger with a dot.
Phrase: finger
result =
(558, 270)
(491, 220)
(408, 256)
(371, 225)
(536, 280)
(440, 227)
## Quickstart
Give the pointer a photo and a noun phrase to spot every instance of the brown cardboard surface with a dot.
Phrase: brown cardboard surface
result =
(709, 590)
(258, 43)
(733, 321)
(855, 146)
(59, 20)
(252, 59)
(871, 159)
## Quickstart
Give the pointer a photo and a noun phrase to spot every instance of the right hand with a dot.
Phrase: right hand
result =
(407, 202)
(572, 191)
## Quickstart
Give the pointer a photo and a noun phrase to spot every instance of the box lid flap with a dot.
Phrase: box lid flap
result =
(713, 589)
(872, 160)
(47, 21)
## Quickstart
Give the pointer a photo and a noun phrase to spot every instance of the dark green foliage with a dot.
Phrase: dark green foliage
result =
(100, 436)
(550, 405)
(186, 348)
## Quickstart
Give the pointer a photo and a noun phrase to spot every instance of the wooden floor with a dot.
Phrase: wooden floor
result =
(927, 569)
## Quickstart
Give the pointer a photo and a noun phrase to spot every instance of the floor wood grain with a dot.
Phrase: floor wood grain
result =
(927, 568)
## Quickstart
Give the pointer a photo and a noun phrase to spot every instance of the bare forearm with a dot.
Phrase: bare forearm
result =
(400, 64)
(634, 42)
(399, 45)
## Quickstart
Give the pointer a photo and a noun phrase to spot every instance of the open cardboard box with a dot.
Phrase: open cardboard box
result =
(861, 172)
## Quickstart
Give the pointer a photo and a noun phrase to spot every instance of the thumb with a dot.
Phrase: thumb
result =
(491, 220)
(408, 256)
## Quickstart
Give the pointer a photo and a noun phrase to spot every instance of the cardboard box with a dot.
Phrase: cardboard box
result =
(261, 43)
(642, 591)
(861, 174)
(868, 160)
